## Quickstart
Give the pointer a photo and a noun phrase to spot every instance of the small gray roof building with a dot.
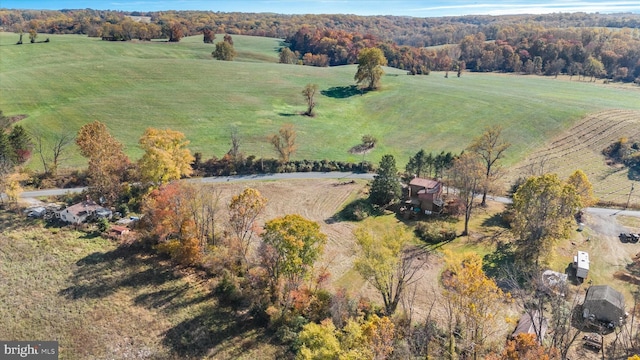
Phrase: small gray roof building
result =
(604, 303)
(532, 323)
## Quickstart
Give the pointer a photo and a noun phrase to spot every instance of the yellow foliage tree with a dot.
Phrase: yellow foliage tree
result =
(384, 262)
(12, 187)
(166, 157)
(473, 296)
(584, 188)
(244, 210)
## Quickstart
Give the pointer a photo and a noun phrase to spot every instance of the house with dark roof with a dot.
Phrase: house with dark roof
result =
(604, 303)
(425, 195)
(81, 212)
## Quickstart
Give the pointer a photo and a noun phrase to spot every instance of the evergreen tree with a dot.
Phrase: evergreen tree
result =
(385, 187)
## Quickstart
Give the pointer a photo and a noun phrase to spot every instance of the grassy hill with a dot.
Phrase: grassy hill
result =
(73, 80)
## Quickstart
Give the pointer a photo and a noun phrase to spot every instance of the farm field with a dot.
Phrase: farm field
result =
(74, 79)
(580, 147)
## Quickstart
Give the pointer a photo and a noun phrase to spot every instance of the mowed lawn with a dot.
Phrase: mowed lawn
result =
(130, 86)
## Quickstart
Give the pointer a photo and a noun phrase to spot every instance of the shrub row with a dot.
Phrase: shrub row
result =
(226, 166)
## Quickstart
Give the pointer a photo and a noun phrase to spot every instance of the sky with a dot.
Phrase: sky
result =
(415, 8)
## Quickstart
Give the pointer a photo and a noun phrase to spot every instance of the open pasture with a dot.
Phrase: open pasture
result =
(130, 86)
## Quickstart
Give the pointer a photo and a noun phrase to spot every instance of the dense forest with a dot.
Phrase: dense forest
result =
(590, 45)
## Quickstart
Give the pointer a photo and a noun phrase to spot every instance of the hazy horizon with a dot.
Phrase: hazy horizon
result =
(416, 8)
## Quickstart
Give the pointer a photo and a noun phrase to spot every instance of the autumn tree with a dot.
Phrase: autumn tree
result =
(583, 187)
(387, 262)
(33, 34)
(10, 184)
(224, 51)
(543, 214)
(208, 35)
(174, 30)
(181, 217)
(165, 156)
(371, 338)
(287, 56)
(474, 297)
(284, 142)
(309, 94)
(244, 210)
(291, 245)
(319, 341)
(370, 62)
(490, 147)
(468, 178)
(523, 347)
(107, 161)
(385, 187)
(593, 67)
(234, 152)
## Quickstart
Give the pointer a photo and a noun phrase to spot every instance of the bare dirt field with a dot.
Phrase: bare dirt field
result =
(580, 147)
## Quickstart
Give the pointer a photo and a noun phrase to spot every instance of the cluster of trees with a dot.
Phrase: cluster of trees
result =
(625, 152)
(587, 52)
(544, 44)
(224, 49)
(411, 31)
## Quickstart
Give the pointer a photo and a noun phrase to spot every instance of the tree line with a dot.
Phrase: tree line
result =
(402, 30)
(590, 45)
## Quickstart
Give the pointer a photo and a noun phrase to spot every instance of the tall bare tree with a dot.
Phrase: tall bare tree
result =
(490, 147)
(468, 179)
(51, 155)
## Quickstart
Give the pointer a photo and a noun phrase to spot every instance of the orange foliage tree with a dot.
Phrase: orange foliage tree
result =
(107, 161)
(524, 347)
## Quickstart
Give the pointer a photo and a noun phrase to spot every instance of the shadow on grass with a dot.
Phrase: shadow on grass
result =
(289, 114)
(154, 283)
(497, 220)
(494, 263)
(215, 331)
(101, 274)
(342, 92)
(10, 220)
(357, 210)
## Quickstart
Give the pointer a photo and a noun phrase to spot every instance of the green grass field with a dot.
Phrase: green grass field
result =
(130, 86)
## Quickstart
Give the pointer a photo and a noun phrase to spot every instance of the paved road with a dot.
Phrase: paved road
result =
(221, 179)
(305, 175)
